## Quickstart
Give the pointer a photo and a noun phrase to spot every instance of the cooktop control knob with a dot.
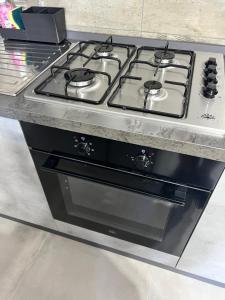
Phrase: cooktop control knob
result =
(210, 69)
(142, 161)
(211, 77)
(211, 61)
(210, 90)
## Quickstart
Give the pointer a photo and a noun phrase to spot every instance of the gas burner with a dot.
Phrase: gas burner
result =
(164, 57)
(104, 50)
(152, 87)
(80, 77)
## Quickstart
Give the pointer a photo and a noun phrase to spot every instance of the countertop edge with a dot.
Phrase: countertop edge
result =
(182, 147)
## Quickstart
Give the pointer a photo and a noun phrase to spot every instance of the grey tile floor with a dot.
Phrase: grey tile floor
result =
(37, 265)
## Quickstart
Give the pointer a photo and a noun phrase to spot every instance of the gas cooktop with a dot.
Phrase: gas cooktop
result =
(179, 86)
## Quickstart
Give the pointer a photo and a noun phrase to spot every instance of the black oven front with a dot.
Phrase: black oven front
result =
(113, 193)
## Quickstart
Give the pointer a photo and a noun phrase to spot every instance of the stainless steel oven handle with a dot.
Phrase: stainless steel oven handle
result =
(52, 161)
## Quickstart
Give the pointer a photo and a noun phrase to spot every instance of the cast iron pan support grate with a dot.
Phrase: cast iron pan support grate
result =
(187, 86)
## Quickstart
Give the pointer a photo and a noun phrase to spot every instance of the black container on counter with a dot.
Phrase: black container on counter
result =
(42, 24)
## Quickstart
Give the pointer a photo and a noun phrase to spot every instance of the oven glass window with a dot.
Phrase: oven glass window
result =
(136, 213)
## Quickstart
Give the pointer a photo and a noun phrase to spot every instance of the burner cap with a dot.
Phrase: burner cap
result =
(104, 50)
(80, 77)
(166, 57)
(152, 87)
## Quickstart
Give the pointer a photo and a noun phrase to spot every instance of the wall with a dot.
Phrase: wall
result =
(190, 20)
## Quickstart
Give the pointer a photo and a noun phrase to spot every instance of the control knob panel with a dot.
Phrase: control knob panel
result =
(82, 146)
(210, 79)
(143, 160)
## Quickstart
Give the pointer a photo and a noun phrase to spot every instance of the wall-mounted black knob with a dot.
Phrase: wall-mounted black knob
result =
(210, 90)
(210, 69)
(211, 77)
(211, 61)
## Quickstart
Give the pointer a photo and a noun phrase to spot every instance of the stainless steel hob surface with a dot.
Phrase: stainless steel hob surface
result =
(22, 62)
(166, 106)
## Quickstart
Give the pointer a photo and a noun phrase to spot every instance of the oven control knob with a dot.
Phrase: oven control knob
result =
(211, 61)
(142, 161)
(83, 148)
(210, 69)
(210, 90)
(211, 77)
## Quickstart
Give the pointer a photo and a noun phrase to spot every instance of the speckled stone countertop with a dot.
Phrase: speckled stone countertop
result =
(127, 127)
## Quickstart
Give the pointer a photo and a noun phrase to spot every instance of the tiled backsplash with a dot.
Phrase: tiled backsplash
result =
(190, 20)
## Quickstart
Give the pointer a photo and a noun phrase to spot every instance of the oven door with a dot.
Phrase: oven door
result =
(143, 210)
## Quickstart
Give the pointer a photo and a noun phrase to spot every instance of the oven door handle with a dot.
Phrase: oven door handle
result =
(51, 163)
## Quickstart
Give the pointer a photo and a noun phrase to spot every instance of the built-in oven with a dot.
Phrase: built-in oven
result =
(146, 196)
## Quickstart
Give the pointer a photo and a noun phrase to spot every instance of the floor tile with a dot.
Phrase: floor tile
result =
(19, 245)
(66, 269)
(167, 285)
(36, 265)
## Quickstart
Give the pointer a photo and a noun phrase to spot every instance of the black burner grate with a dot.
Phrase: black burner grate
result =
(164, 53)
(100, 47)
